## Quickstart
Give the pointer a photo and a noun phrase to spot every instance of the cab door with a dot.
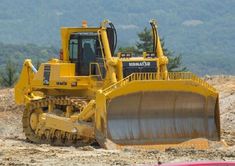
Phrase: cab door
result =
(85, 52)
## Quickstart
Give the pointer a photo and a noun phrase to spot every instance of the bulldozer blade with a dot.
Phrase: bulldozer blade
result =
(161, 117)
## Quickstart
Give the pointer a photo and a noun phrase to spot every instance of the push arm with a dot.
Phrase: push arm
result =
(157, 48)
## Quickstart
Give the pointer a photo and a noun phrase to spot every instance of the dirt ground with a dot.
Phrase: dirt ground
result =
(14, 150)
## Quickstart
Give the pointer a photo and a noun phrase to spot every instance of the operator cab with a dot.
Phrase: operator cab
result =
(85, 51)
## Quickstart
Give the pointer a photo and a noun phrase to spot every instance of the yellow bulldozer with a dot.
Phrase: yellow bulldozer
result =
(92, 94)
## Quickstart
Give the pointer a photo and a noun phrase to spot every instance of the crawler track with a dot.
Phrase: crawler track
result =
(39, 135)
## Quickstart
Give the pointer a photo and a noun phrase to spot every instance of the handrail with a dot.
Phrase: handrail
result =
(154, 76)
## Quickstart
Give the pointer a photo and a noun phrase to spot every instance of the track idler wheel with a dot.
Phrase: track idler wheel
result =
(30, 121)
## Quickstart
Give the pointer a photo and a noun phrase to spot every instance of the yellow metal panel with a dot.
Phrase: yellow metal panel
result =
(67, 69)
(181, 78)
(100, 114)
(162, 85)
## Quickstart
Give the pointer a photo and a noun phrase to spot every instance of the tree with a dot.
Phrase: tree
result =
(38, 63)
(145, 43)
(9, 76)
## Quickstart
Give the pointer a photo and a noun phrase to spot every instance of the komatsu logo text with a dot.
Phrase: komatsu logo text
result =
(142, 64)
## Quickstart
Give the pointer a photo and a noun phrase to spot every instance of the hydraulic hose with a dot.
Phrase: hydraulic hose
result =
(115, 37)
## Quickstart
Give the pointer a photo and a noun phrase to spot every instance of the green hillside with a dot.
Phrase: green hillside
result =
(203, 31)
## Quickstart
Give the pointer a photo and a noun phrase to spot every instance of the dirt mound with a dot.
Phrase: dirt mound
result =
(7, 102)
(10, 115)
(226, 86)
(14, 150)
